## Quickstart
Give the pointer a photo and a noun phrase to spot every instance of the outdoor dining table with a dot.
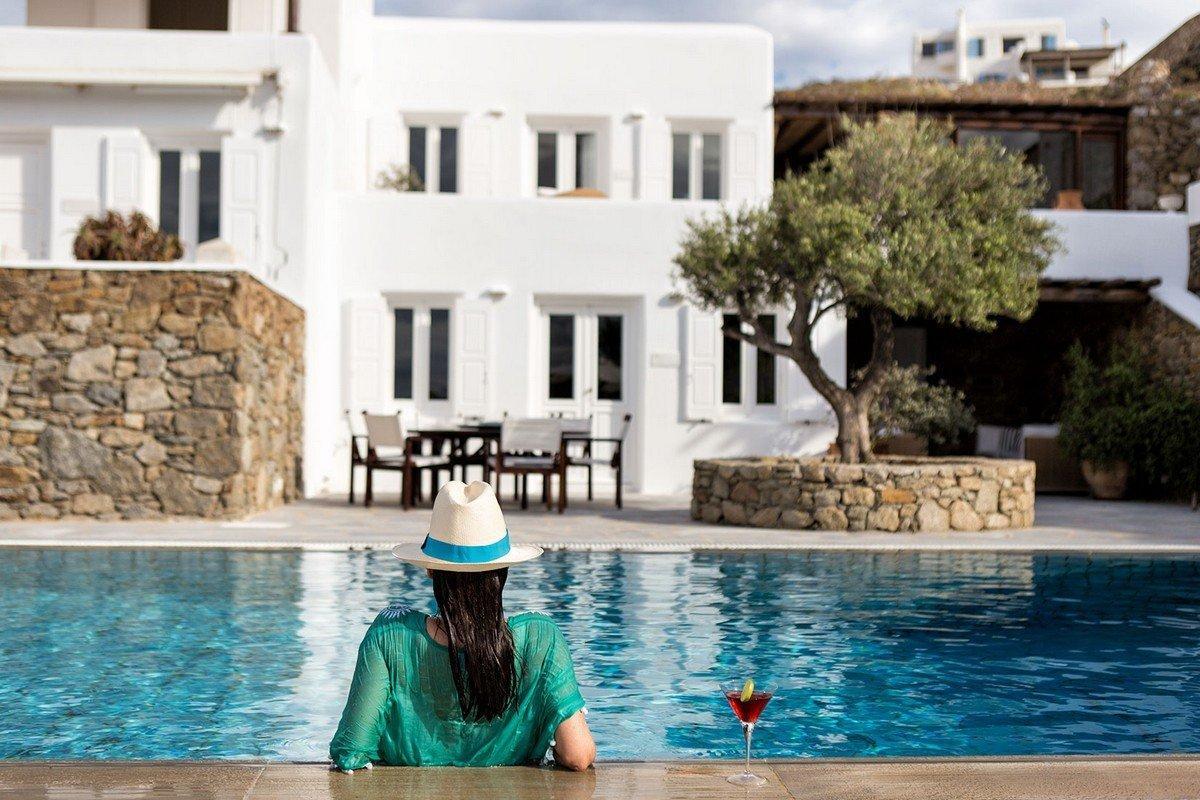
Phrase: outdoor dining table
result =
(459, 438)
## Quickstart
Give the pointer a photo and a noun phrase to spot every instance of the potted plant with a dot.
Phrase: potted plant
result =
(1102, 413)
(114, 237)
(909, 407)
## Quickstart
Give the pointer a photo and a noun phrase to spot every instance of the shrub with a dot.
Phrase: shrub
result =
(908, 403)
(117, 238)
(1119, 411)
(399, 178)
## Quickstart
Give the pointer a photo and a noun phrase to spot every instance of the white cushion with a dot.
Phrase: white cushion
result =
(529, 462)
(429, 461)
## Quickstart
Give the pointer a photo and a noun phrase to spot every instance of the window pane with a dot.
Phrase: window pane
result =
(731, 362)
(680, 162)
(547, 160)
(975, 48)
(209, 224)
(416, 156)
(1099, 172)
(1053, 151)
(562, 356)
(927, 49)
(1011, 42)
(402, 364)
(711, 182)
(585, 161)
(168, 191)
(608, 356)
(1049, 41)
(448, 161)
(764, 370)
(1057, 158)
(439, 354)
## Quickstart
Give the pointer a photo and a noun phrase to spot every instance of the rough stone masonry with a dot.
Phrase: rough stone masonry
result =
(894, 494)
(134, 394)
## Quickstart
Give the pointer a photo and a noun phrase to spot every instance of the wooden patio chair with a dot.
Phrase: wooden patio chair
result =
(532, 447)
(358, 451)
(588, 459)
(388, 448)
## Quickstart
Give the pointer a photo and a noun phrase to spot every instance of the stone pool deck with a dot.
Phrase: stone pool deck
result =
(653, 524)
(1128, 778)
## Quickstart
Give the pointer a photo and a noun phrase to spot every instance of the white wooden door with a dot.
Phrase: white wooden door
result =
(23, 184)
(587, 367)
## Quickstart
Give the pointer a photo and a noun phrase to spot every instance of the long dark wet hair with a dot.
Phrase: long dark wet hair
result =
(482, 659)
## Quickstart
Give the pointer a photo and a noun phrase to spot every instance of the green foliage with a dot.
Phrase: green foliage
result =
(895, 221)
(117, 238)
(399, 178)
(908, 403)
(1118, 411)
(895, 217)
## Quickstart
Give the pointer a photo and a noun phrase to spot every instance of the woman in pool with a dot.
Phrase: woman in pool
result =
(466, 687)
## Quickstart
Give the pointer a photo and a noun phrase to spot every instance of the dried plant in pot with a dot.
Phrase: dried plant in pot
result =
(114, 237)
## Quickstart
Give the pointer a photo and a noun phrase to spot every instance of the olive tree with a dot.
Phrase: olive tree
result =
(893, 222)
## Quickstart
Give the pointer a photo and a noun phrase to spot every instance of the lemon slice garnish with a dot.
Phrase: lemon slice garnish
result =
(747, 690)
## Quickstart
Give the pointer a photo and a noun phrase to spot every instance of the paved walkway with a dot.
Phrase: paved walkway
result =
(960, 779)
(646, 523)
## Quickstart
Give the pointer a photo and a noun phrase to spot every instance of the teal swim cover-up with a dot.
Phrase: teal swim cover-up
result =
(403, 708)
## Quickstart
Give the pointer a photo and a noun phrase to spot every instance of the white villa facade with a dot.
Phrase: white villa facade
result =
(485, 292)
(1035, 50)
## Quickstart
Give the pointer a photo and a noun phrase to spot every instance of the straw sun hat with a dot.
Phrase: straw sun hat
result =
(466, 533)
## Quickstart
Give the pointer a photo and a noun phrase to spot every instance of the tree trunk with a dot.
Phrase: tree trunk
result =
(854, 429)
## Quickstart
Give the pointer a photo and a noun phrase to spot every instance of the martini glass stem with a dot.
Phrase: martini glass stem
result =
(748, 729)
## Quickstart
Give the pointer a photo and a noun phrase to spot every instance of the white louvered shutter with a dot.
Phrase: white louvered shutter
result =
(654, 150)
(126, 172)
(743, 163)
(243, 191)
(472, 392)
(385, 140)
(366, 343)
(477, 147)
(702, 364)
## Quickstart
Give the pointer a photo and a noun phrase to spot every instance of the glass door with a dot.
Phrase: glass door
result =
(587, 367)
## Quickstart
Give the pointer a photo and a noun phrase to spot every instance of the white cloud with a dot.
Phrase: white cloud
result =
(835, 38)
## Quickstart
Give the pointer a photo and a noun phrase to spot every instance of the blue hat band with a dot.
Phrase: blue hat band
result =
(466, 553)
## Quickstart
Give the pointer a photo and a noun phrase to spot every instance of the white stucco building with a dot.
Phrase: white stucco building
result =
(482, 294)
(266, 123)
(1036, 50)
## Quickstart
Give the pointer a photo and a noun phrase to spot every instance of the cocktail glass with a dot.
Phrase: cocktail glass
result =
(747, 711)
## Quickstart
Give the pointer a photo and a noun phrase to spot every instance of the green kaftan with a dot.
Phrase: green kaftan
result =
(403, 708)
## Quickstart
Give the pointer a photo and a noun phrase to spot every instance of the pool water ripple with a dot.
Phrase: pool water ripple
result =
(225, 654)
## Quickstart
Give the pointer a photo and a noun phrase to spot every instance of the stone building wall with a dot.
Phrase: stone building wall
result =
(134, 394)
(896, 494)
(1172, 345)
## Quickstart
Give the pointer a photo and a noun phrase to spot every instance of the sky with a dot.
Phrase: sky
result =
(818, 39)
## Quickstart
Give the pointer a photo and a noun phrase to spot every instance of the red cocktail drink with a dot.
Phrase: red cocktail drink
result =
(748, 711)
(747, 704)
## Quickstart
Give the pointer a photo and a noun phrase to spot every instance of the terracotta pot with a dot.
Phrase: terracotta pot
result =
(1107, 481)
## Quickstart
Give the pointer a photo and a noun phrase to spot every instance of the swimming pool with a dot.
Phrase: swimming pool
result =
(225, 654)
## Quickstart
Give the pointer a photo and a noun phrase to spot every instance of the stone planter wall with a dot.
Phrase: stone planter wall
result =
(131, 393)
(896, 494)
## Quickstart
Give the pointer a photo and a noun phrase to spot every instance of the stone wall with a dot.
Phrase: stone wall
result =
(130, 393)
(895, 494)
(1172, 345)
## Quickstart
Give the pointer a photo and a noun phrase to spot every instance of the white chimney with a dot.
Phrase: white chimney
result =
(961, 73)
(1105, 32)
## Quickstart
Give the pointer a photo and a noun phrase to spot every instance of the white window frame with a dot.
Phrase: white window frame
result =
(433, 125)
(189, 148)
(748, 405)
(566, 130)
(696, 133)
(420, 405)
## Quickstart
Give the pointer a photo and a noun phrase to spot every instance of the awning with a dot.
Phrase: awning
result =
(1117, 290)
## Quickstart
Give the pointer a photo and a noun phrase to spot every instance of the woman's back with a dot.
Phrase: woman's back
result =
(404, 709)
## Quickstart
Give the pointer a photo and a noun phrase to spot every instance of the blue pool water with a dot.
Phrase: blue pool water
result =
(217, 654)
